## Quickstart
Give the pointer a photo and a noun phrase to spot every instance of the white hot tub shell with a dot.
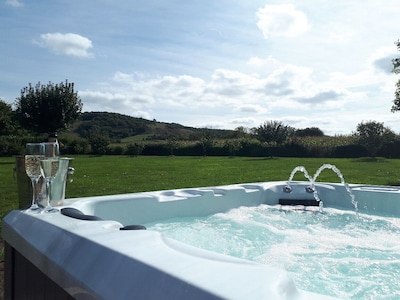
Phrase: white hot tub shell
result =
(88, 256)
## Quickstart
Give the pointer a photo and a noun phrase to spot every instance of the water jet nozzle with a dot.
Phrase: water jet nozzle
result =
(310, 189)
(287, 189)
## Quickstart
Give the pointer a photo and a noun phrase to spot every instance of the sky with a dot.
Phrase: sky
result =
(211, 63)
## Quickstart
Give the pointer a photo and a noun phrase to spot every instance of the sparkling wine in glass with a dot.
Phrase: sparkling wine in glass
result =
(34, 154)
(49, 167)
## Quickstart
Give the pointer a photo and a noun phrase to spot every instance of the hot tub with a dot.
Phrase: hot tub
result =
(97, 247)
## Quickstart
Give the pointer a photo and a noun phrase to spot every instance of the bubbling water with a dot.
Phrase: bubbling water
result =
(336, 252)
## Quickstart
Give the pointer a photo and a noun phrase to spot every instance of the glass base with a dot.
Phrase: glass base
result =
(34, 209)
(50, 209)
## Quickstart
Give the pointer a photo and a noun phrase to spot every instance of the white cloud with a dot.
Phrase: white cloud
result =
(14, 3)
(231, 98)
(263, 65)
(245, 122)
(228, 94)
(230, 83)
(281, 20)
(119, 98)
(122, 77)
(186, 84)
(250, 109)
(142, 114)
(381, 59)
(70, 44)
(321, 97)
(338, 32)
(122, 102)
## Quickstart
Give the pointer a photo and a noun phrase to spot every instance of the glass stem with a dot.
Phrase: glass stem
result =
(49, 208)
(34, 205)
(48, 191)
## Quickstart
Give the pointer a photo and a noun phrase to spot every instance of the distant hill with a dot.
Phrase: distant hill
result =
(119, 127)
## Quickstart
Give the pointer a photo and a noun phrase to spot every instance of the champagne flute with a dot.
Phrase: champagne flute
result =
(49, 167)
(34, 154)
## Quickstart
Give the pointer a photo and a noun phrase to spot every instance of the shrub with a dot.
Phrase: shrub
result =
(134, 149)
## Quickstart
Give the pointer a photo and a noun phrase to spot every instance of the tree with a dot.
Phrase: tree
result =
(7, 124)
(99, 143)
(48, 108)
(172, 144)
(273, 132)
(309, 131)
(233, 146)
(373, 135)
(241, 132)
(207, 140)
(396, 70)
(135, 149)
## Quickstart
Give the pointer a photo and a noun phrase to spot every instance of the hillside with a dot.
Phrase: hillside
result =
(121, 127)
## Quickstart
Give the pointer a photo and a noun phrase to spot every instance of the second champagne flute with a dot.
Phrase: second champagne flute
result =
(49, 167)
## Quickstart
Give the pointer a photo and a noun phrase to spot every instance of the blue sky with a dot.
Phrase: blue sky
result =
(208, 63)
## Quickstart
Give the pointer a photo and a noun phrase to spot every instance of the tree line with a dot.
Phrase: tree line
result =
(104, 133)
